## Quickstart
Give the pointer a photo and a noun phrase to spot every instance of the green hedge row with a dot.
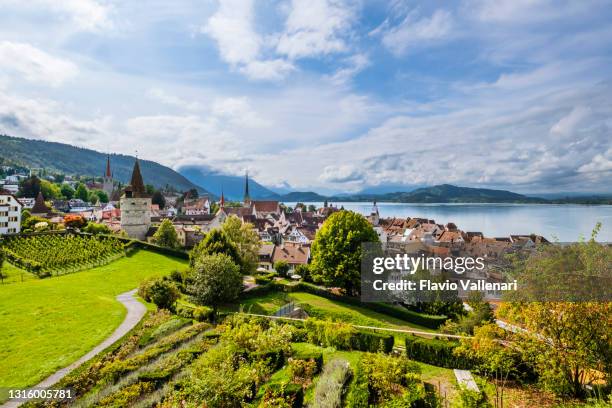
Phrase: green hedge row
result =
(289, 392)
(437, 352)
(316, 356)
(372, 342)
(197, 313)
(432, 322)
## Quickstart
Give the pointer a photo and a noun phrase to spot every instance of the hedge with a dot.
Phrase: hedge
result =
(432, 322)
(197, 313)
(288, 391)
(372, 342)
(437, 352)
(275, 358)
(317, 356)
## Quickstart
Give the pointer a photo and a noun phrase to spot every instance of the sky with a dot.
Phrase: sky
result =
(324, 95)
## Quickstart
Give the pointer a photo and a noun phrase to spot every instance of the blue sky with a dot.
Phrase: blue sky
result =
(325, 95)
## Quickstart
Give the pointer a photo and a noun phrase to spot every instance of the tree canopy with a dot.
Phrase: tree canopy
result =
(166, 235)
(336, 250)
(215, 242)
(215, 279)
(246, 240)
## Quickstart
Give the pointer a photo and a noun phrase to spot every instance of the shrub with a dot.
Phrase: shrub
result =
(304, 271)
(315, 356)
(359, 394)
(301, 371)
(390, 377)
(95, 228)
(329, 389)
(185, 311)
(372, 342)
(470, 399)
(281, 267)
(441, 353)
(329, 334)
(163, 293)
(291, 394)
(216, 279)
(203, 313)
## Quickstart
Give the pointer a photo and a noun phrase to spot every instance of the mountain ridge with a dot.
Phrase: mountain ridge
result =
(67, 159)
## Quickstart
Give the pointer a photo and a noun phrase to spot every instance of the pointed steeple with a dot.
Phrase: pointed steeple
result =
(39, 205)
(247, 197)
(108, 173)
(222, 202)
(136, 184)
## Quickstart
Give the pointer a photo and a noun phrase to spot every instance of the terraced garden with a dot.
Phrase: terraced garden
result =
(49, 323)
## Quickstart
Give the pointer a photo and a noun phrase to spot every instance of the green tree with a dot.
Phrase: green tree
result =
(216, 279)
(1, 263)
(67, 191)
(304, 271)
(162, 292)
(50, 190)
(102, 196)
(281, 267)
(246, 240)
(336, 250)
(166, 235)
(158, 198)
(82, 192)
(95, 228)
(29, 187)
(215, 242)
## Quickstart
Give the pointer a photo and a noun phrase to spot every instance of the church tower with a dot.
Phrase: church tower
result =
(107, 181)
(375, 216)
(136, 207)
(247, 196)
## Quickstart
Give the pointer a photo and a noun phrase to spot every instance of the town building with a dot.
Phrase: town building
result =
(10, 213)
(136, 207)
(40, 209)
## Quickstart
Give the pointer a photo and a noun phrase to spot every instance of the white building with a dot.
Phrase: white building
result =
(10, 214)
(136, 207)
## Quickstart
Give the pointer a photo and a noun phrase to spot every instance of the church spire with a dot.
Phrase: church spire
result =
(108, 173)
(247, 197)
(222, 202)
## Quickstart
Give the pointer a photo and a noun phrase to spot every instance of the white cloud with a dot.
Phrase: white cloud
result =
(86, 15)
(413, 32)
(316, 27)
(354, 65)
(568, 124)
(162, 96)
(238, 111)
(35, 65)
(231, 26)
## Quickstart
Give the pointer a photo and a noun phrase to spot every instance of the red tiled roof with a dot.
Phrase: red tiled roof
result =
(291, 254)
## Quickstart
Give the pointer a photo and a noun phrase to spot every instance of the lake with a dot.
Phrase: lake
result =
(565, 222)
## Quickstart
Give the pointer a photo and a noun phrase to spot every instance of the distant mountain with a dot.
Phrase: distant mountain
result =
(72, 160)
(233, 186)
(447, 193)
(301, 196)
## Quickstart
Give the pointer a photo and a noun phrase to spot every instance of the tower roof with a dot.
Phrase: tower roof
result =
(108, 169)
(137, 186)
(39, 205)
(247, 197)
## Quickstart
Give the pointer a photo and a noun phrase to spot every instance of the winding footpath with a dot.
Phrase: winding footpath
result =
(135, 312)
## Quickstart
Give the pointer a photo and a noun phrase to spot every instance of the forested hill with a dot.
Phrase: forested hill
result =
(68, 159)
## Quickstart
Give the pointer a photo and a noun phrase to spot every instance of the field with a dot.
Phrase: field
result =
(49, 323)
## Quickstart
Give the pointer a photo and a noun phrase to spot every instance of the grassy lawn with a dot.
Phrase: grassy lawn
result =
(49, 323)
(321, 307)
(13, 274)
(266, 304)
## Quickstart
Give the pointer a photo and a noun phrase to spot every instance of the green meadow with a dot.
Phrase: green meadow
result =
(46, 324)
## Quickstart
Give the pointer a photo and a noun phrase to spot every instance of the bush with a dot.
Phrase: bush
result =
(301, 371)
(390, 377)
(329, 389)
(470, 399)
(359, 394)
(281, 267)
(326, 333)
(372, 342)
(304, 271)
(163, 293)
(203, 313)
(185, 311)
(436, 352)
(293, 394)
(315, 356)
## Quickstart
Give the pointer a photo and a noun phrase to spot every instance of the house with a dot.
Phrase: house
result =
(10, 213)
(265, 257)
(294, 255)
(196, 206)
(27, 202)
(261, 209)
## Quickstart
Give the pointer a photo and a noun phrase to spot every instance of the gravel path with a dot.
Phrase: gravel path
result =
(135, 312)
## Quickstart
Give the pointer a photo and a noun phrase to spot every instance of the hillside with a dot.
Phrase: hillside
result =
(233, 186)
(75, 160)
